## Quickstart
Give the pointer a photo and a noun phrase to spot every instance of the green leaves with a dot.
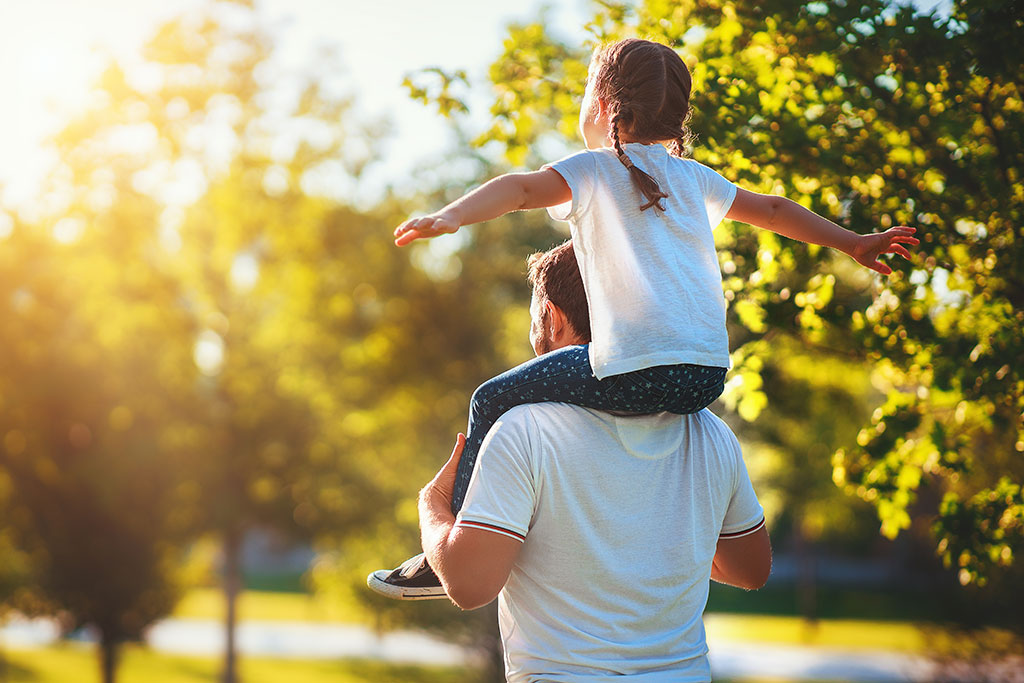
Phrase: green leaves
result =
(982, 531)
(871, 115)
(439, 92)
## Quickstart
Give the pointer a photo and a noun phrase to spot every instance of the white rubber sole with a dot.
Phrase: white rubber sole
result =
(375, 581)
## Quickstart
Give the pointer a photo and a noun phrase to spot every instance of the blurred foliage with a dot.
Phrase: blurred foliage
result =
(85, 409)
(202, 337)
(873, 115)
(808, 405)
(202, 334)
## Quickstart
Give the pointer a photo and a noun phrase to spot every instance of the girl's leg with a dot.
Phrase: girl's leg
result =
(562, 375)
(565, 376)
(688, 388)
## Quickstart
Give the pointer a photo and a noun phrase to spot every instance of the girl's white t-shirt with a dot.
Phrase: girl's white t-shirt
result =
(652, 277)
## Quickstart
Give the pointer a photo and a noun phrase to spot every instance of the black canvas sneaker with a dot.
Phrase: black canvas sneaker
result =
(413, 580)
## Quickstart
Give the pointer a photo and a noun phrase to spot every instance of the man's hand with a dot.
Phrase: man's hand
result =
(868, 248)
(472, 564)
(430, 225)
(440, 488)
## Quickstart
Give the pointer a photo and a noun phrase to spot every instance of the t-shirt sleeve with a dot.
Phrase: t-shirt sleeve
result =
(501, 496)
(578, 172)
(744, 514)
(719, 193)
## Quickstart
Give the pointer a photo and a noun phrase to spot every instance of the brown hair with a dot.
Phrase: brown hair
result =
(647, 87)
(555, 277)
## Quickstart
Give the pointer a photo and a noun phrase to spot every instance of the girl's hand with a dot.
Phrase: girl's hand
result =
(868, 248)
(430, 225)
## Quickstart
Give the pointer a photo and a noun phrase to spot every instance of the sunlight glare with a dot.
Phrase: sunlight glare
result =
(68, 230)
(169, 233)
(209, 353)
(245, 271)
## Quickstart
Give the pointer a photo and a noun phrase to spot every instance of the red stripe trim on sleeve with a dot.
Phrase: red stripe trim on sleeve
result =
(746, 532)
(491, 527)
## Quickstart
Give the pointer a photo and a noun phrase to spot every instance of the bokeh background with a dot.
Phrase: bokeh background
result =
(221, 385)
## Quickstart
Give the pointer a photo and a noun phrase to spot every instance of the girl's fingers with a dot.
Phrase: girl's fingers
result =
(423, 227)
(405, 238)
(405, 227)
(412, 224)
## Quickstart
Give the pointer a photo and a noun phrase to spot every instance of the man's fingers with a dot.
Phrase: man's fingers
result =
(446, 477)
(460, 445)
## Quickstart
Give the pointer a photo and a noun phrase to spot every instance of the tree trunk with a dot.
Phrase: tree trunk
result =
(807, 588)
(108, 657)
(232, 587)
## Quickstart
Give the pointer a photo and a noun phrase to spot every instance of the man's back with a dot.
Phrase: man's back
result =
(621, 517)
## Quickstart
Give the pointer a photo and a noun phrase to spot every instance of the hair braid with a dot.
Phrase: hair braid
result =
(648, 186)
(679, 146)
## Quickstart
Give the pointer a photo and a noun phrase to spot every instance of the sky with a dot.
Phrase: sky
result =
(52, 50)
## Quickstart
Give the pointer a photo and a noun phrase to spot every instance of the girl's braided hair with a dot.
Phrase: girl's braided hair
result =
(647, 87)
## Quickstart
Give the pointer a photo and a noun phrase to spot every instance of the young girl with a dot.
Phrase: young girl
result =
(641, 218)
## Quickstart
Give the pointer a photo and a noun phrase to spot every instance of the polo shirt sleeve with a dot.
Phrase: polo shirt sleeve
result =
(744, 515)
(578, 171)
(502, 492)
(719, 193)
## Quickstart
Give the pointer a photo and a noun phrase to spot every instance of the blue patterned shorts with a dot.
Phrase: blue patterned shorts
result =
(565, 376)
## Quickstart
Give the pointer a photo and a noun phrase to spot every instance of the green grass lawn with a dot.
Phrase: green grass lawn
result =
(208, 603)
(847, 634)
(73, 663)
(881, 633)
(76, 662)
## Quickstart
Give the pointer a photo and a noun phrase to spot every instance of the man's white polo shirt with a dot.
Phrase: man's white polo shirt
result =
(619, 518)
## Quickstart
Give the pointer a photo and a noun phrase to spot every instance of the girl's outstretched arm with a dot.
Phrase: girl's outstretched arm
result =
(786, 217)
(510, 192)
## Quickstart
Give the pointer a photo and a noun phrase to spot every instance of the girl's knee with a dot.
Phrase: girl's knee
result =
(484, 395)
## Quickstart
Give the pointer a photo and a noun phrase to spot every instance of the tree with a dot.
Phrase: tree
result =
(873, 115)
(250, 251)
(181, 296)
(85, 414)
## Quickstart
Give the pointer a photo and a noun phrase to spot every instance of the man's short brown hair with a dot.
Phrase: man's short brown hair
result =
(555, 277)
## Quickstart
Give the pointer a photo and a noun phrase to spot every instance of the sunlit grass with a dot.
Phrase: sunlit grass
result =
(850, 634)
(66, 663)
(208, 603)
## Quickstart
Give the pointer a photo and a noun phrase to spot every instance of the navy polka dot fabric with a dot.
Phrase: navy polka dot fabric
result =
(565, 376)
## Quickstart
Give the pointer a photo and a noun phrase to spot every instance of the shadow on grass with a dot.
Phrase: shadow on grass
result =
(15, 672)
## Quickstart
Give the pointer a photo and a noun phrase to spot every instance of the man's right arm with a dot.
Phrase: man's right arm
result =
(745, 561)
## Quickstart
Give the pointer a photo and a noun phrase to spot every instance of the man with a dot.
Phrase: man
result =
(600, 531)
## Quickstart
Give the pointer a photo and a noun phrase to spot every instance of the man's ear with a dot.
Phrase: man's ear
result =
(557, 323)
